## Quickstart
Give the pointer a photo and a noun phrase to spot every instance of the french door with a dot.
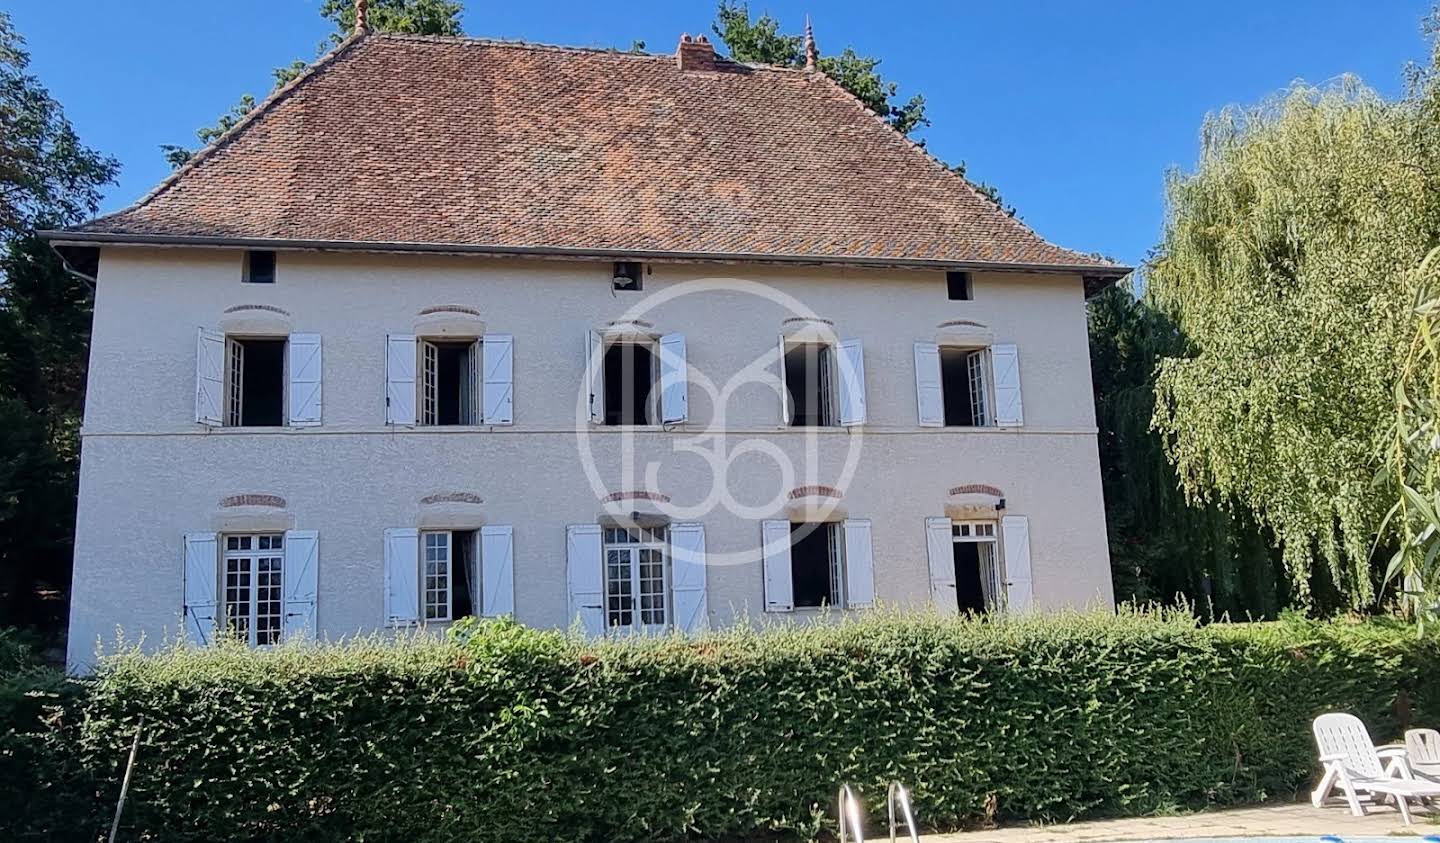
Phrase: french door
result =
(635, 580)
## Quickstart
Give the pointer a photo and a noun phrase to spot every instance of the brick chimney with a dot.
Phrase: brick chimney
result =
(695, 53)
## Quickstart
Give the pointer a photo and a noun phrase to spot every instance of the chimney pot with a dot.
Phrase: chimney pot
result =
(695, 53)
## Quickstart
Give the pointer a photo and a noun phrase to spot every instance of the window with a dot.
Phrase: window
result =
(629, 373)
(977, 566)
(809, 372)
(449, 382)
(449, 582)
(255, 382)
(962, 374)
(259, 268)
(817, 564)
(958, 285)
(628, 276)
(251, 587)
(635, 578)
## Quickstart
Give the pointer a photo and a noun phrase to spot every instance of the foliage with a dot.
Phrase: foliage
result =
(1163, 547)
(507, 733)
(1286, 263)
(416, 17)
(48, 178)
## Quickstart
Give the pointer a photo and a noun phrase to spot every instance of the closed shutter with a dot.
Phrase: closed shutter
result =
(674, 380)
(305, 372)
(584, 569)
(400, 379)
(859, 564)
(1005, 360)
(779, 583)
(499, 399)
(940, 547)
(402, 576)
(852, 383)
(302, 564)
(929, 395)
(202, 586)
(210, 378)
(594, 361)
(1019, 592)
(497, 563)
(786, 410)
(687, 576)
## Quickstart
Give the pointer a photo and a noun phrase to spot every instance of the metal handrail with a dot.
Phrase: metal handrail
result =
(898, 794)
(850, 815)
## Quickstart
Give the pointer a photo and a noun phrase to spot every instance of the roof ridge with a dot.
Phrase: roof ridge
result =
(521, 43)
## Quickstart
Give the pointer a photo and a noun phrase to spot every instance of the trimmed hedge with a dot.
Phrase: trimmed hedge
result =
(505, 733)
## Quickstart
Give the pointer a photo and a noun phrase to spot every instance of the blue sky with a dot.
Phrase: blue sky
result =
(1075, 110)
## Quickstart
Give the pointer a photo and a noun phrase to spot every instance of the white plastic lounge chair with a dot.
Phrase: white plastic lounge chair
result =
(1352, 763)
(1422, 753)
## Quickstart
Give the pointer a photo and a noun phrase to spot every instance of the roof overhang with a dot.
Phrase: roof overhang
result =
(84, 246)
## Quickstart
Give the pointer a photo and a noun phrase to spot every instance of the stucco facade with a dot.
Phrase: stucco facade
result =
(150, 474)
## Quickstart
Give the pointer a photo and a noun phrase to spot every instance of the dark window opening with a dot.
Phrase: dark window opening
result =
(807, 379)
(956, 387)
(450, 376)
(958, 286)
(629, 372)
(969, 594)
(466, 595)
(814, 565)
(259, 268)
(628, 276)
(257, 377)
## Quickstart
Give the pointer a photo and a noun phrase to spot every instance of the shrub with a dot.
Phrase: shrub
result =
(506, 733)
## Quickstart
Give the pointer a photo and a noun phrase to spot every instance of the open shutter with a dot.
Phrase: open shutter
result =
(594, 360)
(202, 586)
(302, 564)
(779, 586)
(674, 380)
(499, 400)
(584, 568)
(929, 397)
(859, 564)
(1015, 533)
(786, 410)
(939, 546)
(1005, 362)
(402, 576)
(497, 564)
(305, 371)
(852, 383)
(687, 576)
(210, 378)
(400, 379)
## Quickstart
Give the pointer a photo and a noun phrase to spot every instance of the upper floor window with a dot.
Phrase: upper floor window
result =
(823, 383)
(958, 286)
(968, 387)
(259, 268)
(257, 381)
(636, 379)
(439, 381)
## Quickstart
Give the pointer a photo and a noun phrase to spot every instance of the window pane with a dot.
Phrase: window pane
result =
(620, 602)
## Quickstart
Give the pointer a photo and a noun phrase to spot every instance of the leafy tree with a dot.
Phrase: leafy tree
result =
(48, 178)
(416, 17)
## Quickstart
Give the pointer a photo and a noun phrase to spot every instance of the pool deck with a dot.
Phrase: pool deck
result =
(1284, 820)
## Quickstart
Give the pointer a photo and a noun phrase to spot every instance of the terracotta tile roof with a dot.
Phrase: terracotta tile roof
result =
(483, 144)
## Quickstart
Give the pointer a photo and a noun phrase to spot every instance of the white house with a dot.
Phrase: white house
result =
(451, 327)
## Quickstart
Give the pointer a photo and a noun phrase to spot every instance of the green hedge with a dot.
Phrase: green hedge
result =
(512, 734)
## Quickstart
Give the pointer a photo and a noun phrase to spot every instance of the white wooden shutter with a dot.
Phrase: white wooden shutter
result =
(302, 565)
(674, 380)
(1019, 592)
(859, 564)
(499, 401)
(402, 576)
(497, 564)
(305, 372)
(929, 395)
(400, 379)
(852, 382)
(1005, 362)
(584, 571)
(940, 547)
(594, 362)
(202, 586)
(210, 378)
(786, 410)
(687, 576)
(779, 582)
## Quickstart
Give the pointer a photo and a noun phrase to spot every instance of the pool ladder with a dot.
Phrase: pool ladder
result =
(896, 797)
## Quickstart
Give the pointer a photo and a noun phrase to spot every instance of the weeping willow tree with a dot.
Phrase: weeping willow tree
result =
(1288, 263)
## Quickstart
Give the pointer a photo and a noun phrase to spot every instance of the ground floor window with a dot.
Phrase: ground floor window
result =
(977, 566)
(252, 587)
(817, 564)
(449, 584)
(635, 578)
